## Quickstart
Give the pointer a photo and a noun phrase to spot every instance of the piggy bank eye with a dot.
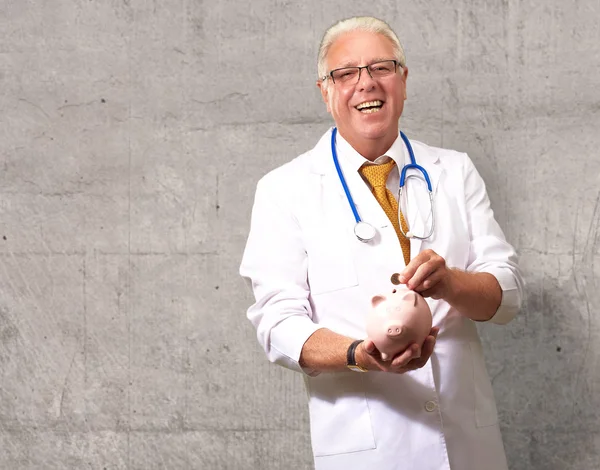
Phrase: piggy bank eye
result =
(394, 291)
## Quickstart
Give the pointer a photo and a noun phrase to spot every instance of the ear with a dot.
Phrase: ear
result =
(404, 78)
(411, 297)
(375, 301)
(324, 93)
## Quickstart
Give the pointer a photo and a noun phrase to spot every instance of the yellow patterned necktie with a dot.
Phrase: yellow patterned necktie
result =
(377, 176)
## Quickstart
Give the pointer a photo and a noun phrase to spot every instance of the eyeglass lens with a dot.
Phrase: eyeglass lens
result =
(351, 75)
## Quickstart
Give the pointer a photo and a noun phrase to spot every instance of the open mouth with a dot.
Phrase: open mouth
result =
(369, 107)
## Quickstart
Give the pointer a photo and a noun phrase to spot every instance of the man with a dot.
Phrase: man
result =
(313, 279)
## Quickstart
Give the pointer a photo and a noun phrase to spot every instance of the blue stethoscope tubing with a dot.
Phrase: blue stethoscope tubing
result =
(366, 232)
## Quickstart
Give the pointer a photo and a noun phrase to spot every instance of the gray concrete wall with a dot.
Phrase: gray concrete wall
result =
(133, 133)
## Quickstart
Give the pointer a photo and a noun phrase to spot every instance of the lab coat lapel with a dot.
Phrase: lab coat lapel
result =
(367, 206)
(369, 209)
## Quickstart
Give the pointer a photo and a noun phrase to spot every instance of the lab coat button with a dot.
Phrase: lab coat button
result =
(430, 406)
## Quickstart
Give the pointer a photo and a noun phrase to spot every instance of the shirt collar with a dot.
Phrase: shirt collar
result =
(355, 160)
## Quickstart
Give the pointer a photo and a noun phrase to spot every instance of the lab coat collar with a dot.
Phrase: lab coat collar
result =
(350, 161)
(322, 162)
(355, 160)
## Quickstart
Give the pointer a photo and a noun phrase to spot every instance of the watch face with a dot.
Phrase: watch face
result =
(357, 368)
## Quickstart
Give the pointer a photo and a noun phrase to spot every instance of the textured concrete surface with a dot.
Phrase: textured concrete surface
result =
(133, 133)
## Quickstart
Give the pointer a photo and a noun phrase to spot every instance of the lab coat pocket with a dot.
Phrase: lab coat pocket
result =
(340, 420)
(486, 413)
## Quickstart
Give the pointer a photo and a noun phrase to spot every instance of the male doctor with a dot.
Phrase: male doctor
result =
(313, 279)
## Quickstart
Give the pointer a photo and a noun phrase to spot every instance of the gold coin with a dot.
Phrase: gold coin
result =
(395, 279)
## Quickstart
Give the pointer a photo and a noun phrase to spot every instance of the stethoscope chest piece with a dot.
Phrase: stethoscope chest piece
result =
(364, 232)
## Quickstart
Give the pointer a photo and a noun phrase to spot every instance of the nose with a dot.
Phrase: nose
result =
(365, 81)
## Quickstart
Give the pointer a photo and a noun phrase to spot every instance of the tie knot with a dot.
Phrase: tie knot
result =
(377, 175)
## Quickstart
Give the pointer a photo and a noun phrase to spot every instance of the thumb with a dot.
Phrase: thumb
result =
(369, 346)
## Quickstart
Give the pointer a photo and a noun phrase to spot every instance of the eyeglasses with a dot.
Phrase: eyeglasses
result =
(351, 75)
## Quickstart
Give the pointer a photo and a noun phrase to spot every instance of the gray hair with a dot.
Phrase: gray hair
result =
(357, 23)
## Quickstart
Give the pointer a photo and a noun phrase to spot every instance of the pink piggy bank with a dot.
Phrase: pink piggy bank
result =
(396, 321)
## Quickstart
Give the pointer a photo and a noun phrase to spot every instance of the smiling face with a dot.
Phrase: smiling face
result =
(366, 113)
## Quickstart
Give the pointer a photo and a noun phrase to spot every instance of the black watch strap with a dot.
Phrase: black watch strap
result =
(351, 359)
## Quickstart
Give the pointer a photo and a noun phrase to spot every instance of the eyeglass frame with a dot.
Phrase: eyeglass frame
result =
(397, 64)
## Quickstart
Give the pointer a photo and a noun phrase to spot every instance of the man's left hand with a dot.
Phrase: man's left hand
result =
(428, 275)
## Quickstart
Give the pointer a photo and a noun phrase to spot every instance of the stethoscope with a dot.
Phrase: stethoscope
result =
(364, 231)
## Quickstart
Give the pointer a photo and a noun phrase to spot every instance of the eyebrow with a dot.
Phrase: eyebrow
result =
(353, 63)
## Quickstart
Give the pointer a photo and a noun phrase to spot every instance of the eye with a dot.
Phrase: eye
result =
(382, 67)
(345, 74)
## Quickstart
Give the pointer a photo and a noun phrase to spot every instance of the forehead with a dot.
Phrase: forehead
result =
(359, 48)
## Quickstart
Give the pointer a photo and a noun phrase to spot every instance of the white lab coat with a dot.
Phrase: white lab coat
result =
(308, 271)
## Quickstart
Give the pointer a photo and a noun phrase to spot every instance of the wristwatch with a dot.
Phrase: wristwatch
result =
(351, 360)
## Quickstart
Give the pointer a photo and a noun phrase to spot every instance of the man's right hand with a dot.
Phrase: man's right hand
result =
(412, 358)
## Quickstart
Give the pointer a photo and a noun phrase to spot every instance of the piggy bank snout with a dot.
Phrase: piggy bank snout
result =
(394, 329)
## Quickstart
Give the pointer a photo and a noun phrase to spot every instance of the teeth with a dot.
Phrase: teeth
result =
(370, 110)
(369, 104)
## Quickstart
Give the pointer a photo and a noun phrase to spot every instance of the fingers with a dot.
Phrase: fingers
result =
(420, 269)
(412, 358)
(426, 273)
(435, 293)
(370, 347)
(402, 359)
(428, 346)
(411, 268)
(426, 352)
(430, 275)
(368, 356)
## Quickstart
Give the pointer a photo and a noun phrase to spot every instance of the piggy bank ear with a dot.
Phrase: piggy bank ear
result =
(375, 301)
(411, 297)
